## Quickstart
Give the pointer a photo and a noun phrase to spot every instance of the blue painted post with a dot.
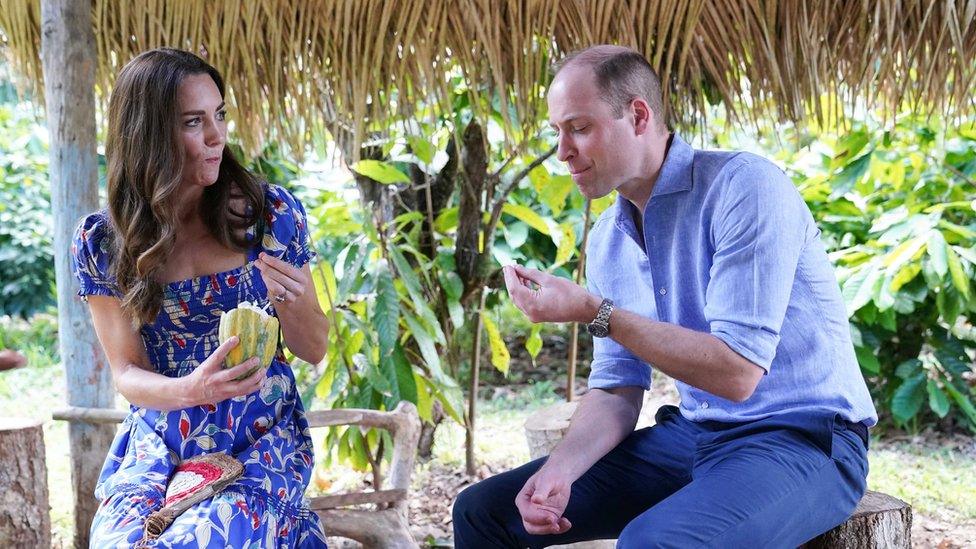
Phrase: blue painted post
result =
(68, 60)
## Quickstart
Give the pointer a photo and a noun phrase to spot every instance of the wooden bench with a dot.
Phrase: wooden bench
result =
(880, 521)
(386, 528)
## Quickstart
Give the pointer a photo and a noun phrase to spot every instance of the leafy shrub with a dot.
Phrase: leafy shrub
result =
(26, 227)
(895, 203)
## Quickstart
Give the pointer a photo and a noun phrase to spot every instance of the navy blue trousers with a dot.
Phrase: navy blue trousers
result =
(776, 482)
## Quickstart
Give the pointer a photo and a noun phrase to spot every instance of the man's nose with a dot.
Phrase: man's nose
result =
(565, 149)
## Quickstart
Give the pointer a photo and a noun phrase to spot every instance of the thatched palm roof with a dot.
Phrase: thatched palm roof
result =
(291, 65)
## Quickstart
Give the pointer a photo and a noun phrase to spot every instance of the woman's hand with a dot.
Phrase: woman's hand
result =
(209, 383)
(285, 282)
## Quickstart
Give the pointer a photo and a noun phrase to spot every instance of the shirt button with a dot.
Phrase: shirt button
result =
(662, 291)
(703, 405)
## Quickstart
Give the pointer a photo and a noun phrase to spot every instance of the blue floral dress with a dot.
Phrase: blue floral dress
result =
(267, 430)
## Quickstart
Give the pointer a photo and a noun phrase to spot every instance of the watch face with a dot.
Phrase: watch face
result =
(597, 330)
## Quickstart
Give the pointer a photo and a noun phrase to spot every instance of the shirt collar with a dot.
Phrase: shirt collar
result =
(675, 177)
(676, 170)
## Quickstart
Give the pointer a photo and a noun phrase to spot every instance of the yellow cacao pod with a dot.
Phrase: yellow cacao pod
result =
(257, 331)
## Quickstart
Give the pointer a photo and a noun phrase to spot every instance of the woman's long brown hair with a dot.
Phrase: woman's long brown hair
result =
(145, 165)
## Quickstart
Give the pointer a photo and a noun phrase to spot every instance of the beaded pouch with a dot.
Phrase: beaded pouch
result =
(195, 480)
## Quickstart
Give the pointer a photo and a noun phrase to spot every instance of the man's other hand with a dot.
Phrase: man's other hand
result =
(547, 298)
(542, 501)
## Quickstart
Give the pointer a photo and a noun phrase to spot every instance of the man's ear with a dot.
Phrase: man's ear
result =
(643, 116)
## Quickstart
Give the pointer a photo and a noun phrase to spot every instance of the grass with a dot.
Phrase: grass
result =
(936, 481)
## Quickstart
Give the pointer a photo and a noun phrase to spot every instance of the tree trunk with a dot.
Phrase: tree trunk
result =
(880, 521)
(25, 516)
(68, 60)
(425, 447)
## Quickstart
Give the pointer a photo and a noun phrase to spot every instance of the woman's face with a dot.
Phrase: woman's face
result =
(203, 129)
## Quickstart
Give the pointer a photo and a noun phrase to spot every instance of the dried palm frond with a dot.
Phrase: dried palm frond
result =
(298, 68)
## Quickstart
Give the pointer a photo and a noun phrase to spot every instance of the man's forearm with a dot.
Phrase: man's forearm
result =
(696, 358)
(604, 418)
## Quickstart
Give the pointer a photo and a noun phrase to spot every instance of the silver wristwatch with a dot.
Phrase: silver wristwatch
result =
(600, 327)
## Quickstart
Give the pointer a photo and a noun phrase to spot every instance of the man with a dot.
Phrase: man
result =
(710, 267)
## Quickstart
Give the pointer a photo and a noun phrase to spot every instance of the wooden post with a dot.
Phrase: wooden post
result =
(68, 61)
(25, 515)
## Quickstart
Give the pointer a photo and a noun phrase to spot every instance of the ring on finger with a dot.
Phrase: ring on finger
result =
(280, 298)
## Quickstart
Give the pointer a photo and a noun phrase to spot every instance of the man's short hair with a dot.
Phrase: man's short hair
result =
(622, 75)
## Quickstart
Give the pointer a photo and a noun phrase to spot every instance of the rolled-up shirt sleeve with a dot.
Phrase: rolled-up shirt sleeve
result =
(758, 233)
(613, 365)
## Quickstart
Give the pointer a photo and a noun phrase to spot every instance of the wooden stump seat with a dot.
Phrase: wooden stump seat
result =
(879, 522)
(25, 515)
(387, 528)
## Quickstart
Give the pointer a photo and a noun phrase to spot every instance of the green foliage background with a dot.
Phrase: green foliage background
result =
(894, 199)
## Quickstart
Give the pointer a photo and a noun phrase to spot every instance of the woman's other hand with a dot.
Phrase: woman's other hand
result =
(285, 282)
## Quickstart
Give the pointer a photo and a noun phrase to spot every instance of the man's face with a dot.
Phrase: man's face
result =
(601, 151)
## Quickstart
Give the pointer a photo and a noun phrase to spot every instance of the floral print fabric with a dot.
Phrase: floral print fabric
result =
(267, 430)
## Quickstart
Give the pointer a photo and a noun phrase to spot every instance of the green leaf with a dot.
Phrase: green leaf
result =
(598, 205)
(422, 148)
(964, 403)
(387, 313)
(447, 220)
(326, 288)
(903, 253)
(959, 278)
(552, 190)
(860, 288)
(500, 358)
(905, 275)
(379, 171)
(938, 401)
(908, 368)
(425, 341)
(969, 254)
(533, 343)
(865, 357)
(908, 398)
(937, 252)
(425, 404)
(565, 244)
(406, 385)
(531, 218)
(452, 400)
(844, 181)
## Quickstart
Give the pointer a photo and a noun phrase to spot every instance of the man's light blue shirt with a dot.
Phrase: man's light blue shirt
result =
(730, 248)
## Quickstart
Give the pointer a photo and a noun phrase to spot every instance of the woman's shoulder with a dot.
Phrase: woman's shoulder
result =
(280, 200)
(283, 210)
(287, 234)
(93, 231)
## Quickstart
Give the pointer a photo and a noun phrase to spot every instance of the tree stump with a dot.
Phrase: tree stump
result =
(25, 516)
(546, 427)
(880, 521)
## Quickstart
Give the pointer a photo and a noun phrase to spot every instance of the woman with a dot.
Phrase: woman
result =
(188, 234)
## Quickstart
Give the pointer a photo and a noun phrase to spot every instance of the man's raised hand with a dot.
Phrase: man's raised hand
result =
(547, 298)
